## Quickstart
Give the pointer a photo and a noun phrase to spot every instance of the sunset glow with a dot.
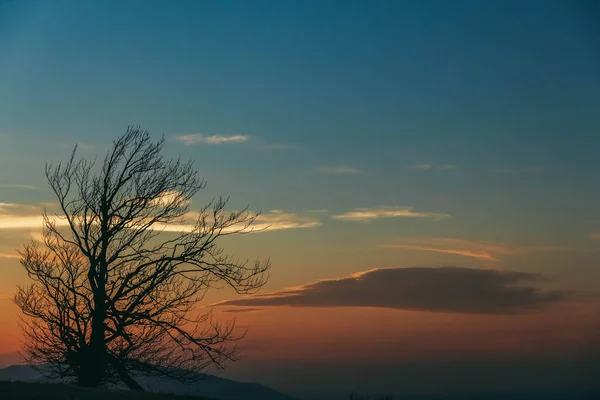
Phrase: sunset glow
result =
(424, 175)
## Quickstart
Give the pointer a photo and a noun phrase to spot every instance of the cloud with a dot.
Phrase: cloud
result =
(199, 138)
(441, 289)
(273, 221)
(468, 253)
(18, 216)
(468, 248)
(595, 236)
(9, 255)
(27, 217)
(369, 214)
(241, 310)
(168, 197)
(431, 166)
(340, 170)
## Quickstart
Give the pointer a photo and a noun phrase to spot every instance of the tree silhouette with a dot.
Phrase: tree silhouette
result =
(114, 291)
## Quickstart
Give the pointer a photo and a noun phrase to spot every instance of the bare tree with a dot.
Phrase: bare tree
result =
(114, 288)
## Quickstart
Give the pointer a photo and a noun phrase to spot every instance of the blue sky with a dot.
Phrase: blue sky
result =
(374, 86)
(494, 105)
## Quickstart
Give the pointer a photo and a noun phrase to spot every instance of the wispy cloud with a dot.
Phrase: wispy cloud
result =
(442, 289)
(168, 197)
(595, 236)
(431, 166)
(340, 170)
(484, 255)
(282, 220)
(242, 310)
(369, 214)
(272, 221)
(9, 255)
(18, 216)
(483, 250)
(199, 138)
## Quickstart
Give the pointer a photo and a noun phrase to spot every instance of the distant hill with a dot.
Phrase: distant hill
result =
(19, 373)
(209, 386)
(54, 391)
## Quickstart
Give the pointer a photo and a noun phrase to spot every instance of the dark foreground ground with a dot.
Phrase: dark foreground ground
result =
(52, 391)
(508, 396)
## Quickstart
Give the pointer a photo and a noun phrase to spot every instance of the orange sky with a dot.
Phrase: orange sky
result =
(284, 342)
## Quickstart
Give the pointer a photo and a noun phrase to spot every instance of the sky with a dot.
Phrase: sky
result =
(428, 171)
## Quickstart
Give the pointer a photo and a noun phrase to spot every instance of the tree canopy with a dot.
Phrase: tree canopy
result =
(114, 290)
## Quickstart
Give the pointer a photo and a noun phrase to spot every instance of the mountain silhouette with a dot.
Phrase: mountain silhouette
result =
(209, 386)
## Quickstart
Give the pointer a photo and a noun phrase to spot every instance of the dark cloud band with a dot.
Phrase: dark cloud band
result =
(441, 289)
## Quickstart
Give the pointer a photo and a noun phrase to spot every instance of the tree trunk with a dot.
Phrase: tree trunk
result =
(94, 358)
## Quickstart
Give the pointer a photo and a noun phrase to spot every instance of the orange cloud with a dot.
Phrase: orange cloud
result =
(17, 216)
(369, 214)
(469, 248)
(9, 255)
(20, 216)
(273, 221)
(467, 253)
